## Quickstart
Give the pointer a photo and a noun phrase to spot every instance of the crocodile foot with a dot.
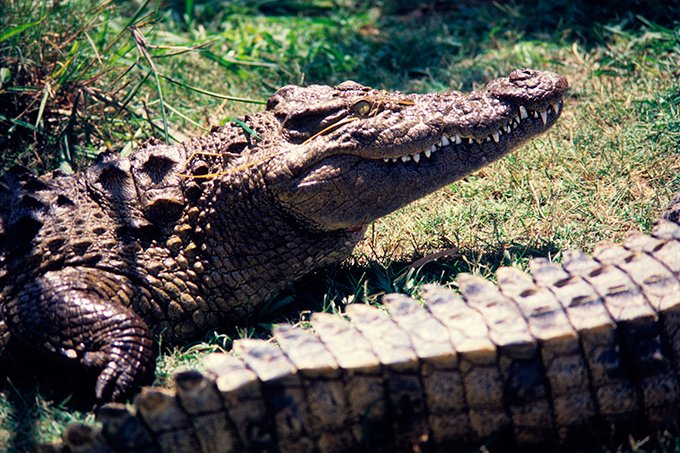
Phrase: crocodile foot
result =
(77, 314)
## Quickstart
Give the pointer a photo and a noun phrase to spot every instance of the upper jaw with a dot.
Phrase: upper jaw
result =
(520, 123)
(509, 111)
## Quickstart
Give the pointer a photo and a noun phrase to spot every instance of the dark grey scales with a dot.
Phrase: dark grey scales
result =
(179, 239)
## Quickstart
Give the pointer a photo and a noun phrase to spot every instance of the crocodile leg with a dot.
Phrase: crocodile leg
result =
(80, 315)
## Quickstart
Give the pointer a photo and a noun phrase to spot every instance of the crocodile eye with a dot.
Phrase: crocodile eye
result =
(362, 108)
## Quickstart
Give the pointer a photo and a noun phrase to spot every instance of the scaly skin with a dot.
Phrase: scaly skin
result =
(177, 240)
(566, 351)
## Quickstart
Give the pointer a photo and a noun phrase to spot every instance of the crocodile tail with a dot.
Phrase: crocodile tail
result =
(541, 358)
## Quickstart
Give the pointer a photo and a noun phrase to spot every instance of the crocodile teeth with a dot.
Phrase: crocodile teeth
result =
(555, 106)
(523, 112)
(446, 140)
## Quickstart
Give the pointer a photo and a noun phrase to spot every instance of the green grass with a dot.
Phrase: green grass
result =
(75, 80)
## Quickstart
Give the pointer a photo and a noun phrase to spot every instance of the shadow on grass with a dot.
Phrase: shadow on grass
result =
(36, 392)
(20, 422)
(332, 288)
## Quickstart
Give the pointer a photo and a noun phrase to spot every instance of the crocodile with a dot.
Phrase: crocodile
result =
(179, 239)
(536, 359)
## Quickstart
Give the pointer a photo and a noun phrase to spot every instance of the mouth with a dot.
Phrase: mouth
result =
(524, 124)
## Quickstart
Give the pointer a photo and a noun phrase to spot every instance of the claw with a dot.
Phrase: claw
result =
(131, 361)
(65, 316)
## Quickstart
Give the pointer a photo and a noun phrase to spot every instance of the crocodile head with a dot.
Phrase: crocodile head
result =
(352, 154)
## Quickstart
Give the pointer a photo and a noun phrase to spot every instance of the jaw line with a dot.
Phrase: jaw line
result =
(523, 126)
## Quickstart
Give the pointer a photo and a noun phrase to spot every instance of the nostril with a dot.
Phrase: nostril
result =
(522, 74)
(273, 102)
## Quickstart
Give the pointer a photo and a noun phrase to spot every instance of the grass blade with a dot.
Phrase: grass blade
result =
(142, 46)
(186, 118)
(18, 122)
(43, 103)
(19, 28)
(212, 93)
